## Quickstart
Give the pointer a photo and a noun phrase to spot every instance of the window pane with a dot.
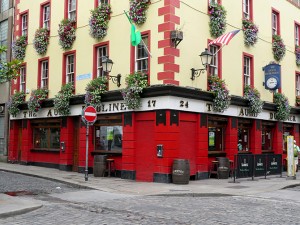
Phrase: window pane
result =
(109, 137)
(55, 138)
(4, 5)
(142, 56)
(101, 52)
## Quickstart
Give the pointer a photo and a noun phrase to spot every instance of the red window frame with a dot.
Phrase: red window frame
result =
(251, 57)
(297, 25)
(40, 61)
(42, 5)
(95, 55)
(133, 53)
(219, 60)
(21, 22)
(67, 9)
(297, 90)
(250, 3)
(64, 63)
(276, 12)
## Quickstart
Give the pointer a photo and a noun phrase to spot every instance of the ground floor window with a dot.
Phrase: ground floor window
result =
(46, 135)
(244, 138)
(216, 133)
(109, 133)
(267, 135)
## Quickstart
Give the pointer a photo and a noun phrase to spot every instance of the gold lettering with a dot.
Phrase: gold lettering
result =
(208, 105)
(49, 114)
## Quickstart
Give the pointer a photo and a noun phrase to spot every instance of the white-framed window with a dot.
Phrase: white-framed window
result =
(72, 9)
(44, 73)
(142, 56)
(24, 24)
(274, 23)
(70, 68)
(22, 86)
(4, 5)
(213, 68)
(247, 70)
(101, 53)
(46, 16)
(297, 84)
(103, 2)
(246, 9)
(297, 33)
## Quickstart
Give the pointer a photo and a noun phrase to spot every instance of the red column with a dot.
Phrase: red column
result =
(26, 141)
(66, 136)
(255, 137)
(278, 140)
(13, 141)
(202, 139)
(231, 138)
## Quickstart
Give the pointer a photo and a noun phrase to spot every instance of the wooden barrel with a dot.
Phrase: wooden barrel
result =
(99, 165)
(224, 167)
(181, 171)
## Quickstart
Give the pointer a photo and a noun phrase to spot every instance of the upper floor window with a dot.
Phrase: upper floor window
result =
(142, 56)
(101, 54)
(72, 9)
(247, 4)
(3, 37)
(275, 23)
(247, 70)
(24, 24)
(46, 16)
(22, 78)
(44, 73)
(214, 66)
(70, 68)
(4, 5)
(297, 34)
(103, 2)
(297, 84)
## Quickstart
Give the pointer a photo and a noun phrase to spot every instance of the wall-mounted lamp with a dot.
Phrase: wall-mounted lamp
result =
(206, 57)
(107, 64)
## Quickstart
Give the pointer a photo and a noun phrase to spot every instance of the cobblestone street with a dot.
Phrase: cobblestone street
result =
(171, 209)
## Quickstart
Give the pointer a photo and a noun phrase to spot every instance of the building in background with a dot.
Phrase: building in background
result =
(176, 119)
(6, 29)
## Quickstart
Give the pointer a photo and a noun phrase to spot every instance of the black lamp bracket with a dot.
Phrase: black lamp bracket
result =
(115, 79)
(196, 73)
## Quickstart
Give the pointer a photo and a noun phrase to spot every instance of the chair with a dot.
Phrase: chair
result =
(111, 167)
(214, 168)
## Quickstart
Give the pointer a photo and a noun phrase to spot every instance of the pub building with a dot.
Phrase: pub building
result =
(179, 119)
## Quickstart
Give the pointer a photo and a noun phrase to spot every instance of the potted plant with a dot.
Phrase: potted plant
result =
(66, 33)
(278, 48)
(135, 83)
(62, 99)
(41, 40)
(36, 99)
(94, 90)
(282, 106)
(137, 10)
(14, 102)
(217, 23)
(99, 21)
(222, 98)
(253, 96)
(250, 32)
(19, 47)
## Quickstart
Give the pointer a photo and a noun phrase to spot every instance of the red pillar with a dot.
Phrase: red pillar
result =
(278, 140)
(255, 141)
(13, 141)
(26, 141)
(66, 136)
(231, 138)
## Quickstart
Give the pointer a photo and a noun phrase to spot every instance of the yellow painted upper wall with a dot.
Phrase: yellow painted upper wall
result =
(194, 24)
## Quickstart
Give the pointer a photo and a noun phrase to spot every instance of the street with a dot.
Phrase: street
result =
(65, 204)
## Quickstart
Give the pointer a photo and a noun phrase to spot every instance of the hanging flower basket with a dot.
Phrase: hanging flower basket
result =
(253, 96)
(41, 40)
(14, 102)
(19, 48)
(250, 32)
(62, 99)
(283, 107)
(36, 99)
(217, 23)
(222, 98)
(94, 90)
(297, 54)
(138, 10)
(135, 83)
(99, 21)
(66, 33)
(278, 48)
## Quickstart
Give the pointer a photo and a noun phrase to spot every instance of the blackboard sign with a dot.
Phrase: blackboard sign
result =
(274, 164)
(244, 166)
(259, 165)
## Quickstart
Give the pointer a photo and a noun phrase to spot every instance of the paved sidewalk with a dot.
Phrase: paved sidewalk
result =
(121, 186)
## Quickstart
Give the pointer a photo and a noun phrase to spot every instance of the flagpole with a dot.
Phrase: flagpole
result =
(219, 49)
(145, 46)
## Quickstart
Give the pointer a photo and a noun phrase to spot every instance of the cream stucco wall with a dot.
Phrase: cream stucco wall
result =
(118, 37)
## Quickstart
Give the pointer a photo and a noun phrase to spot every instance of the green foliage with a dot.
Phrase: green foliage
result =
(19, 47)
(62, 99)
(36, 99)
(222, 98)
(253, 96)
(66, 33)
(278, 48)
(8, 70)
(283, 107)
(217, 23)
(41, 40)
(14, 102)
(250, 32)
(137, 10)
(99, 21)
(94, 90)
(135, 83)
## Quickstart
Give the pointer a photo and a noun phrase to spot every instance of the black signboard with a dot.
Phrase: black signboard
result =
(259, 165)
(244, 166)
(274, 164)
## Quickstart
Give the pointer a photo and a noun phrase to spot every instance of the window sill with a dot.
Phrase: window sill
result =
(267, 151)
(105, 152)
(45, 150)
(244, 152)
(216, 153)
